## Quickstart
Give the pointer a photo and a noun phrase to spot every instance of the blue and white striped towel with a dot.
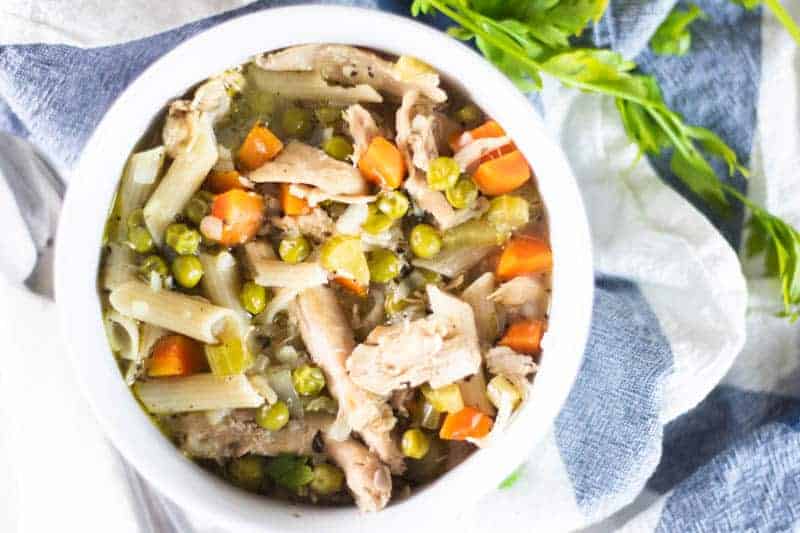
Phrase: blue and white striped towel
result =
(676, 422)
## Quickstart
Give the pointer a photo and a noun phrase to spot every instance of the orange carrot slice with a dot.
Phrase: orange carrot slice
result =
(524, 255)
(176, 355)
(503, 174)
(260, 146)
(383, 164)
(466, 423)
(351, 285)
(291, 204)
(241, 214)
(524, 336)
(223, 181)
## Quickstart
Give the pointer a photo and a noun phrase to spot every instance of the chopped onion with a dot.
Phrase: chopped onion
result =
(280, 379)
(211, 227)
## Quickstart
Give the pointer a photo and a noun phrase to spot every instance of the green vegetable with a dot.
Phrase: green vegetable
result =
(468, 116)
(446, 399)
(384, 265)
(273, 417)
(290, 471)
(425, 241)
(153, 263)
(344, 256)
(338, 147)
(508, 213)
(247, 472)
(415, 444)
(297, 122)
(779, 11)
(308, 380)
(135, 219)
(294, 249)
(443, 173)
(198, 207)
(431, 418)
(183, 239)
(187, 270)
(327, 479)
(473, 233)
(140, 239)
(377, 221)
(230, 356)
(253, 297)
(393, 204)
(328, 115)
(673, 36)
(462, 194)
(320, 404)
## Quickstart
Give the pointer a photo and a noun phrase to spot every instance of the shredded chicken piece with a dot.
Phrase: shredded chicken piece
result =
(238, 434)
(301, 163)
(506, 362)
(315, 196)
(472, 153)
(439, 349)
(312, 86)
(525, 295)
(316, 224)
(362, 129)
(269, 271)
(477, 295)
(329, 340)
(368, 479)
(400, 400)
(348, 65)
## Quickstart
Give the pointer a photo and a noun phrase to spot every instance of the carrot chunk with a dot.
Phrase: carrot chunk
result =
(503, 174)
(524, 255)
(176, 355)
(466, 423)
(219, 182)
(291, 204)
(383, 164)
(490, 128)
(260, 146)
(351, 285)
(524, 336)
(241, 214)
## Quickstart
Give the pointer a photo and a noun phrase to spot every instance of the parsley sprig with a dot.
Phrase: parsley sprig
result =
(527, 38)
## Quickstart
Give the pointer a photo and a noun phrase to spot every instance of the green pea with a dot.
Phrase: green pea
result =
(297, 122)
(153, 263)
(294, 249)
(415, 444)
(135, 219)
(140, 239)
(187, 270)
(273, 417)
(384, 265)
(462, 194)
(377, 221)
(308, 380)
(425, 241)
(183, 239)
(253, 297)
(328, 115)
(247, 472)
(393, 204)
(508, 212)
(327, 480)
(338, 147)
(469, 115)
(443, 173)
(196, 209)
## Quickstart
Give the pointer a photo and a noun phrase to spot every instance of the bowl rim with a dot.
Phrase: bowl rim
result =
(95, 177)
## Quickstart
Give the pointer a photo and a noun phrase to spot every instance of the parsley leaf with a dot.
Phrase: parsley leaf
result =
(512, 479)
(290, 471)
(673, 36)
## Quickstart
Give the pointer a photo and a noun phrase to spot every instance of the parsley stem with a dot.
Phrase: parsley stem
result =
(784, 18)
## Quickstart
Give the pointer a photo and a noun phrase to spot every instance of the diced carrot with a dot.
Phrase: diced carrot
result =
(524, 255)
(490, 128)
(468, 422)
(502, 175)
(176, 355)
(524, 336)
(351, 285)
(383, 164)
(260, 146)
(241, 213)
(223, 181)
(291, 204)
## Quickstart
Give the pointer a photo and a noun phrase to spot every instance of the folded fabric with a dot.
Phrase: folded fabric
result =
(669, 313)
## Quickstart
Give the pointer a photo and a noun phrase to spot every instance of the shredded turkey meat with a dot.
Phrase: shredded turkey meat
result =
(524, 295)
(316, 224)
(506, 362)
(329, 340)
(362, 129)
(368, 479)
(238, 434)
(468, 156)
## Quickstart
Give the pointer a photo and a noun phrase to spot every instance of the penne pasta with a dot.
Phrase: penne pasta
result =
(123, 335)
(221, 280)
(119, 266)
(149, 336)
(268, 271)
(138, 182)
(182, 180)
(193, 316)
(200, 392)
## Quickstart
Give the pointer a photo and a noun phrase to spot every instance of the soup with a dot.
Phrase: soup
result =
(326, 275)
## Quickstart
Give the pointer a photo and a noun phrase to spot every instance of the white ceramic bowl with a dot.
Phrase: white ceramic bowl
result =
(92, 188)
